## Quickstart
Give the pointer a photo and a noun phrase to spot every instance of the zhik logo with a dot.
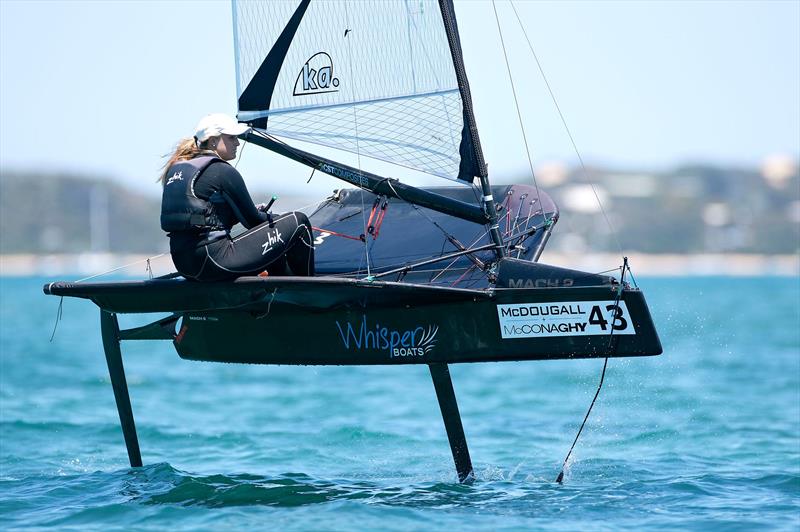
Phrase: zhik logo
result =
(177, 176)
(316, 76)
(273, 237)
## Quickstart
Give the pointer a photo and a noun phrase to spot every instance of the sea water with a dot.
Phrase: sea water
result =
(706, 436)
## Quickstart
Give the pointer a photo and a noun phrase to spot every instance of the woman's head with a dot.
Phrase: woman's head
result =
(219, 133)
(214, 133)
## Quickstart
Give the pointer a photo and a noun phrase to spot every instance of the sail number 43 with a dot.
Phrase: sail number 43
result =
(564, 318)
(619, 322)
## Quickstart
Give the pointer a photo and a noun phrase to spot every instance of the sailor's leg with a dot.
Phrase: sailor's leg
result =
(452, 420)
(279, 267)
(110, 331)
(300, 250)
(286, 239)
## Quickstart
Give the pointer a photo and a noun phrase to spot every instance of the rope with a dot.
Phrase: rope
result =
(269, 305)
(147, 260)
(461, 277)
(381, 216)
(60, 310)
(624, 266)
(334, 233)
(629, 273)
(453, 240)
(519, 212)
(528, 219)
(377, 214)
(507, 207)
(58, 317)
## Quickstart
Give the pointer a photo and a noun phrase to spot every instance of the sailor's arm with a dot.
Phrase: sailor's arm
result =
(235, 190)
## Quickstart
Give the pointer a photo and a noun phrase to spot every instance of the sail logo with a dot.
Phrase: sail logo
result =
(417, 341)
(316, 76)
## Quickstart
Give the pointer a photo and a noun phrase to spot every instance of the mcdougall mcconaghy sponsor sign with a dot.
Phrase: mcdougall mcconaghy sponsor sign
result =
(567, 318)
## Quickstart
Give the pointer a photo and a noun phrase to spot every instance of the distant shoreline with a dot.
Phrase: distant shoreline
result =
(136, 265)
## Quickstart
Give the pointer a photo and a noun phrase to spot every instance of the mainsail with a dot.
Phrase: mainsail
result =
(377, 78)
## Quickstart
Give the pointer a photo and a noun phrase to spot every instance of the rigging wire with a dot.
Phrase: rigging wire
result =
(449, 238)
(447, 235)
(358, 144)
(564, 123)
(516, 101)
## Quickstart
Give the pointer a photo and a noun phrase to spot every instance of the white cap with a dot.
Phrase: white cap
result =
(216, 124)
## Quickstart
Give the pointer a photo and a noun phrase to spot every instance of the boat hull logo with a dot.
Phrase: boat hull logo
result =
(316, 76)
(413, 342)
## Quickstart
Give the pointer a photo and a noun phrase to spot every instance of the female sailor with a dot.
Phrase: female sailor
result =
(204, 197)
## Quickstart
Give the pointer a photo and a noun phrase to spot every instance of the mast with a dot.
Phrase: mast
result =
(470, 142)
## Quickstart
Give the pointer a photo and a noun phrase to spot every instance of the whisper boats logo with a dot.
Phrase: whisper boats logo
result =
(418, 341)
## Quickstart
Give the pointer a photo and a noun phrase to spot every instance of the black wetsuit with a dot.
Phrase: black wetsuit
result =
(280, 244)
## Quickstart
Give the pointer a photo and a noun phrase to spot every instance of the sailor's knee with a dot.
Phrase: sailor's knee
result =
(304, 222)
(302, 219)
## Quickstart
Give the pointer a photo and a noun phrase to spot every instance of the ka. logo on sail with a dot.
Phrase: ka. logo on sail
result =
(316, 76)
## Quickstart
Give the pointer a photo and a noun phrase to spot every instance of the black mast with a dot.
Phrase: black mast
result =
(470, 142)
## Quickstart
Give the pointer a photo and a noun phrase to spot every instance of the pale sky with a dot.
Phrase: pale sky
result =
(107, 88)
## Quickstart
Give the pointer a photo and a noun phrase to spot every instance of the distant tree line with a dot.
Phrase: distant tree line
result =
(688, 210)
(73, 214)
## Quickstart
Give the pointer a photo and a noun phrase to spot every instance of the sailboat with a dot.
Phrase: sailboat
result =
(405, 275)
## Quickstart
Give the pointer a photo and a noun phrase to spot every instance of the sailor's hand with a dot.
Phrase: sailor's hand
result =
(262, 207)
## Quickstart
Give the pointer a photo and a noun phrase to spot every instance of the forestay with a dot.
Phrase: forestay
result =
(375, 78)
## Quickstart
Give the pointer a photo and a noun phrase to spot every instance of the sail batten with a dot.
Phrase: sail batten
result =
(370, 77)
(254, 115)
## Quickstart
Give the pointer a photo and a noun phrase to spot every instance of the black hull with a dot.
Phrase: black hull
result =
(465, 330)
(295, 320)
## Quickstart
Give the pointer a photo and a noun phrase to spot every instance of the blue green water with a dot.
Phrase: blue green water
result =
(705, 436)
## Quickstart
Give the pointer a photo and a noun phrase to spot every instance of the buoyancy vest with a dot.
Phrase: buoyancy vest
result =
(181, 210)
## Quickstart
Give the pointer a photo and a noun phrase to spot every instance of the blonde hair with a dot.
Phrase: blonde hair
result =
(186, 149)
